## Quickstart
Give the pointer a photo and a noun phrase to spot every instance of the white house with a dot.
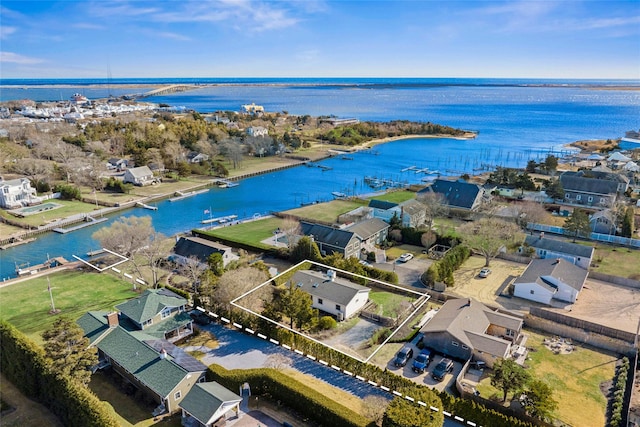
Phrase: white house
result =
(139, 176)
(331, 294)
(16, 193)
(546, 248)
(546, 280)
(257, 131)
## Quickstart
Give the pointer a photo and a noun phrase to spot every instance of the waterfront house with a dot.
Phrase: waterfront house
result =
(464, 328)
(371, 231)
(253, 109)
(545, 280)
(143, 358)
(117, 163)
(202, 249)
(460, 197)
(140, 176)
(16, 193)
(592, 188)
(257, 131)
(546, 248)
(331, 240)
(331, 294)
(411, 213)
(209, 405)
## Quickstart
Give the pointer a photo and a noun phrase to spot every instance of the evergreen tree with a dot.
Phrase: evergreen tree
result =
(508, 376)
(68, 349)
(539, 402)
(577, 224)
(554, 189)
(296, 305)
(628, 222)
(305, 249)
(551, 163)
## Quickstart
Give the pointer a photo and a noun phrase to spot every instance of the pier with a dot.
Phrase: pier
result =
(221, 219)
(151, 208)
(166, 90)
(181, 195)
(89, 221)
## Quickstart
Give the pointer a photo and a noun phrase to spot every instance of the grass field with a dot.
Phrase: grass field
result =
(249, 233)
(396, 196)
(327, 212)
(575, 379)
(618, 261)
(389, 302)
(68, 208)
(26, 304)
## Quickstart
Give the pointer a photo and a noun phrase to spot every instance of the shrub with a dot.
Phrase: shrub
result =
(68, 192)
(327, 322)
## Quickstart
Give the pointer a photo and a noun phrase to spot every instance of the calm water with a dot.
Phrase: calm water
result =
(516, 120)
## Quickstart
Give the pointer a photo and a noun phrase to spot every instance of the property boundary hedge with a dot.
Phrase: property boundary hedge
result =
(442, 270)
(25, 365)
(294, 394)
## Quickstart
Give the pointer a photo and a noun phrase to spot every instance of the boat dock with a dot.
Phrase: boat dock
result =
(410, 168)
(50, 263)
(180, 195)
(225, 183)
(88, 222)
(17, 241)
(221, 219)
(142, 205)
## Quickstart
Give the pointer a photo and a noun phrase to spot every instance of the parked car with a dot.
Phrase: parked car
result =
(405, 257)
(200, 318)
(442, 368)
(485, 272)
(403, 356)
(365, 263)
(421, 362)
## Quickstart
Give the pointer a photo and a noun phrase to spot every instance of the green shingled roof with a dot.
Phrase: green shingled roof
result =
(94, 324)
(149, 304)
(159, 330)
(205, 399)
(160, 375)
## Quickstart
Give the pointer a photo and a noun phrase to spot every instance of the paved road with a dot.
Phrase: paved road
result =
(238, 350)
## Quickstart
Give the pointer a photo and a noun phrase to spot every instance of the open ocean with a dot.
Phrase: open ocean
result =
(517, 120)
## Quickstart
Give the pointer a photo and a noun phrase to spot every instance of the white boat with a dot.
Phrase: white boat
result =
(338, 195)
(632, 136)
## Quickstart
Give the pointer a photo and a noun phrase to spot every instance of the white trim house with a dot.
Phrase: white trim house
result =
(16, 193)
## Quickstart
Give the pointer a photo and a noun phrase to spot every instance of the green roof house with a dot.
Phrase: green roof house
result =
(134, 344)
(207, 405)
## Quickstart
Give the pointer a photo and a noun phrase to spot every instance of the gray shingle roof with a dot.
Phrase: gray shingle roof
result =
(149, 304)
(468, 320)
(368, 227)
(459, 194)
(559, 246)
(314, 283)
(198, 247)
(140, 172)
(543, 271)
(412, 207)
(327, 235)
(594, 182)
(205, 399)
(382, 204)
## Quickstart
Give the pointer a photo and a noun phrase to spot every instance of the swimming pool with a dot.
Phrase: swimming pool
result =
(30, 210)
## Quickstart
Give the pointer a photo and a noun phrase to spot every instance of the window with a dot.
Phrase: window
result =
(166, 313)
(510, 333)
(464, 347)
(319, 300)
(178, 395)
(532, 292)
(579, 197)
(147, 322)
(590, 199)
(454, 343)
(338, 307)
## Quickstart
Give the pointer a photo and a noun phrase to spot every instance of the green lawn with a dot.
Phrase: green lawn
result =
(249, 233)
(616, 260)
(389, 303)
(26, 304)
(327, 212)
(68, 208)
(575, 379)
(396, 196)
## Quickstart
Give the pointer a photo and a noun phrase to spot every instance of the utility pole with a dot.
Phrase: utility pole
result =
(53, 306)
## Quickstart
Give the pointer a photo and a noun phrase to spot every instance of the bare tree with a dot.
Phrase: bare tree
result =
(530, 212)
(434, 206)
(374, 407)
(290, 228)
(234, 283)
(34, 169)
(232, 150)
(488, 236)
(193, 269)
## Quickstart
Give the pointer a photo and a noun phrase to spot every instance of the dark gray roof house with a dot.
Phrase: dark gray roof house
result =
(545, 280)
(546, 248)
(330, 239)
(459, 195)
(371, 231)
(592, 188)
(464, 327)
(332, 294)
(202, 249)
(381, 204)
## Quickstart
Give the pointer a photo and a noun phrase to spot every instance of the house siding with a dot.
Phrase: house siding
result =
(443, 342)
(523, 290)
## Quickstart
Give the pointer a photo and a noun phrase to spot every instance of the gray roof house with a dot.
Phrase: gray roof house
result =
(460, 196)
(546, 248)
(202, 249)
(603, 222)
(465, 328)
(334, 295)
(208, 404)
(592, 188)
(545, 280)
(371, 231)
(139, 176)
(331, 240)
(151, 364)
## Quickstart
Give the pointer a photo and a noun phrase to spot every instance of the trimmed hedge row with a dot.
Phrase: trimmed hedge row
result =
(442, 270)
(620, 388)
(26, 366)
(294, 394)
(478, 413)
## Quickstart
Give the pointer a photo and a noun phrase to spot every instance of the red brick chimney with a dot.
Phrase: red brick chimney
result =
(112, 319)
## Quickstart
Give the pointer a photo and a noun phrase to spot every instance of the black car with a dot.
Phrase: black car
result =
(421, 362)
(200, 318)
(442, 368)
(403, 356)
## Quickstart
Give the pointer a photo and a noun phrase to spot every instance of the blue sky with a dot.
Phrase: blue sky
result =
(309, 38)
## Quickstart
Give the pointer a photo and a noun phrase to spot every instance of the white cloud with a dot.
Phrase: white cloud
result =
(6, 31)
(11, 57)
(87, 26)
